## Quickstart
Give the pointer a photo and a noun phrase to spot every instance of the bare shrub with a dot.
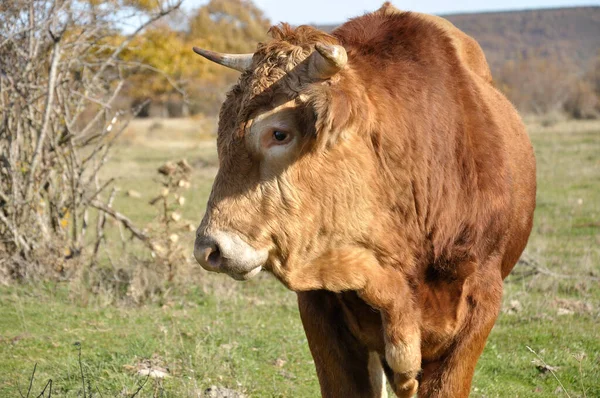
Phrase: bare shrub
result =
(545, 86)
(61, 75)
(536, 85)
(583, 102)
(152, 277)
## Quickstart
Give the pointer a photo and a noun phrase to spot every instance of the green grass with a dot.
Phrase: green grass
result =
(202, 339)
(248, 336)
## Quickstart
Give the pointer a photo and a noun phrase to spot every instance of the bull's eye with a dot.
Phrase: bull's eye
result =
(280, 136)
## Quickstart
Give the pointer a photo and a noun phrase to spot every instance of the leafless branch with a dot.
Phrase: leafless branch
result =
(47, 112)
(18, 238)
(100, 227)
(124, 220)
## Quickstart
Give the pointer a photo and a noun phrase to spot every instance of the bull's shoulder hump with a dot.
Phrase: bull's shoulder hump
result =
(468, 50)
(376, 27)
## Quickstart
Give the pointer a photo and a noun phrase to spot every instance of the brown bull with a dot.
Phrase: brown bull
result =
(374, 168)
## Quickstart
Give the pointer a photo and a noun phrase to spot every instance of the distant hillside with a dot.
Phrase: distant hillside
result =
(570, 36)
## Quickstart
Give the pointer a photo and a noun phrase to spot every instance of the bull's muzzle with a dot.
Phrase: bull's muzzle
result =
(227, 252)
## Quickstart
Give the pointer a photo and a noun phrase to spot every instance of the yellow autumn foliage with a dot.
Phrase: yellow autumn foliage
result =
(221, 25)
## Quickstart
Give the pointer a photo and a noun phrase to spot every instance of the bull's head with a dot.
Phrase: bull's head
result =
(293, 168)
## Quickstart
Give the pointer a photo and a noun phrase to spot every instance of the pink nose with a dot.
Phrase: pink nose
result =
(227, 252)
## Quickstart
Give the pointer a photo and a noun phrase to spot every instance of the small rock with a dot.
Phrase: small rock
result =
(287, 375)
(544, 368)
(155, 373)
(133, 194)
(221, 392)
(280, 362)
(565, 311)
(574, 306)
(514, 307)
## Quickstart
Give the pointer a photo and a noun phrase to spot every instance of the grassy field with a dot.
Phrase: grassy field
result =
(248, 336)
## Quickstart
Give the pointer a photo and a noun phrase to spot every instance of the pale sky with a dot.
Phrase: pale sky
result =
(299, 12)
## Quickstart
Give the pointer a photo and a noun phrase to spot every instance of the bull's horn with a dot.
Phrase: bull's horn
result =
(328, 60)
(239, 62)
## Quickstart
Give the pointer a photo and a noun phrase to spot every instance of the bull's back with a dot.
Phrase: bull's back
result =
(520, 162)
(519, 155)
(518, 151)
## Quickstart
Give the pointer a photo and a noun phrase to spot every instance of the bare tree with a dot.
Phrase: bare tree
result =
(61, 74)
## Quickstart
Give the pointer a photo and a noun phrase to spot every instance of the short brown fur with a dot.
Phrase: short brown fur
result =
(414, 185)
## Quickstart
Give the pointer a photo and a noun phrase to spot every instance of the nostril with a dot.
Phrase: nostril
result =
(207, 252)
(214, 257)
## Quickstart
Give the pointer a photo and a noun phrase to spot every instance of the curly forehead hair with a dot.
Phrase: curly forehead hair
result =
(303, 36)
(274, 59)
(278, 70)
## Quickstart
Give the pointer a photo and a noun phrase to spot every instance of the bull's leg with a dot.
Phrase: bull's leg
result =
(377, 375)
(389, 292)
(451, 375)
(345, 367)
(383, 288)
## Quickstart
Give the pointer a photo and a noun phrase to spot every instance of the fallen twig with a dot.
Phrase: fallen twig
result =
(535, 268)
(140, 387)
(78, 345)
(31, 380)
(48, 384)
(549, 369)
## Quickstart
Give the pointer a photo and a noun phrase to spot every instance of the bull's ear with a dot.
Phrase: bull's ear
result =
(239, 62)
(326, 61)
(336, 111)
